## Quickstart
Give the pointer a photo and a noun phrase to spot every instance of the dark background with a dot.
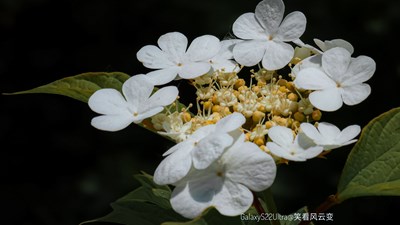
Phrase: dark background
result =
(57, 169)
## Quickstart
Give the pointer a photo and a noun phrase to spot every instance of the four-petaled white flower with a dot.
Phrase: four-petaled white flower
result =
(287, 146)
(339, 80)
(329, 136)
(173, 59)
(226, 183)
(265, 35)
(200, 149)
(134, 105)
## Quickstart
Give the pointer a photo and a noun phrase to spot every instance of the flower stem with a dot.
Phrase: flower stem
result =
(270, 203)
(328, 203)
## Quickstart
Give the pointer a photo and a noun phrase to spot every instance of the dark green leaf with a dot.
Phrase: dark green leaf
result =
(81, 86)
(373, 166)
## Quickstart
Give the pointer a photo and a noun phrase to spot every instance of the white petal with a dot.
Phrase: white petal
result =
(249, 53)
(163, 76)
(247, 27)
(226, 65)
(174, 167)
(112, 122)
(303, 141)
(162, 97)
(203, 48)
(153, 58)
(277, 55)
(209, 149)
(246, 159)
(233, 199)
(360, 70)
(321, 45)
(282, 152)
(183, 145)
(108, 101)
(327, 99)
(339, 43)
(226, 51)
(328, 130)
(270, 13)
(183, 203)
(310, 153)
(149, 112)
(311, 132)
(174, 44)
(231, 122)
(347, 134)
(335, 62)
(312, 61)
(137, 90)
(355, 94)
(193, 70)
(282, 136)
(313, 79)
(202, 132)
(292, 27)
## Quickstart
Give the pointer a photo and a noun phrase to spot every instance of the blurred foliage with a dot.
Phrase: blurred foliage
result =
(57, 169)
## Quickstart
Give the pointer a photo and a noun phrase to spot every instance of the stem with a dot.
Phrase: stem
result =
(327, 204)
(257, 205)
(271, 206)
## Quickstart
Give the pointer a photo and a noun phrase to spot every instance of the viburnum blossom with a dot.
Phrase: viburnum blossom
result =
(340, 79)
(134, 105)
(329, 136)
(200, 149)
(226, 183)
(295, 148)
(265, 35)
(173, 59)
(244, 126)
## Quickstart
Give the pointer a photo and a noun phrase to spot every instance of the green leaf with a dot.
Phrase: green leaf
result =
(373, 166)
(81, 86)
(146, 205)
(138, 213)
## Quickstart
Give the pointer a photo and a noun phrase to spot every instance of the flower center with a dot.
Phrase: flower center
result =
(135, 113)
(220, 174)
(180, 64)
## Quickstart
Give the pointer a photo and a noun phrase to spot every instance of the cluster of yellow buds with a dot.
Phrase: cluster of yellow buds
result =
(266, 100)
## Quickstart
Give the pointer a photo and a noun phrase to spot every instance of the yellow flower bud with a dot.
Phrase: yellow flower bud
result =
(259, 141)
(293, 97)
(258, 116)
(186, 117)
(239, 83)
(299, 116)
(316, 115)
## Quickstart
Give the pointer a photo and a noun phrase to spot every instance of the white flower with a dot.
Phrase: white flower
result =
(265, 35)
(226, 183)
(201, 148)
(339, 80)
(223, 59)
(285, 145)
(329, 136)
(172, 59)
(134, 105)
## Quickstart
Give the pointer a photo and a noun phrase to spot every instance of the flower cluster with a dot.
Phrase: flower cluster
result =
(244, 126)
